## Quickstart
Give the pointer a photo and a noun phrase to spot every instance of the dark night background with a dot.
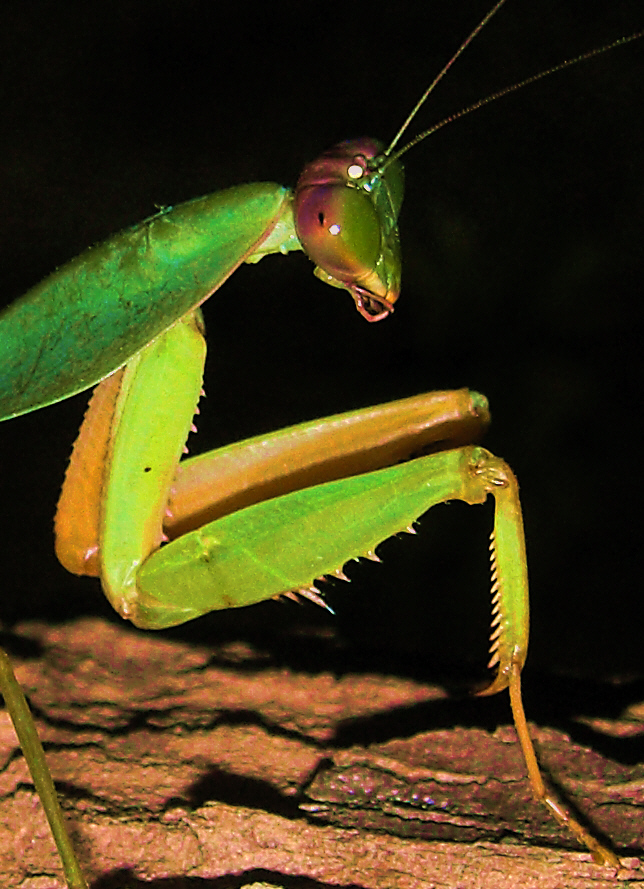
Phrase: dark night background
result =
(522, 240)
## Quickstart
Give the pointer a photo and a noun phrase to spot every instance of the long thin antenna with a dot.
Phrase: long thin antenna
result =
(390, 156)
(497, 95)
(442, 74)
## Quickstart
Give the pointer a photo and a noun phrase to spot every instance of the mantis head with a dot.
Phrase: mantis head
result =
(346, 211)
(347, 202)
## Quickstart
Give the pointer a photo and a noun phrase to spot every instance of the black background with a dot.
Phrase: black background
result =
(522, 237)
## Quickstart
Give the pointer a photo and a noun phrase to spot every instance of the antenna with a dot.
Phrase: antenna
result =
(387, 153)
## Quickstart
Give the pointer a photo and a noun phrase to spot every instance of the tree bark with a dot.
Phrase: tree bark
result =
(178, 762)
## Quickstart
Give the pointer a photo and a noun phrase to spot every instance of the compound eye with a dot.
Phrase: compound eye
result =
(339, 229)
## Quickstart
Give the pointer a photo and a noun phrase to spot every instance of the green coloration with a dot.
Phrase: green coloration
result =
(510, 577)
(157, 401)
(119, 304)
(286, 543)
(362, 229)
(94, 313)
(388, 193)
(273, 464)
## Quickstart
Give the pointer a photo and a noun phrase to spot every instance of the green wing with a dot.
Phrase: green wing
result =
(94, 313)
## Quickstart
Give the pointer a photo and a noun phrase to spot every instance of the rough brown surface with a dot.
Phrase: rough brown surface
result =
(186, 765)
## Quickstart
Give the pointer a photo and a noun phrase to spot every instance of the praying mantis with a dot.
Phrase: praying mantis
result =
(315, 299)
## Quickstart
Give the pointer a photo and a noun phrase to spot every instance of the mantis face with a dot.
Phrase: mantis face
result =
(346, 210)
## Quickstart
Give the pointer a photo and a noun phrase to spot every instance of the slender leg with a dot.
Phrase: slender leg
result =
(600, 853)
(510, 628)
(34, 754)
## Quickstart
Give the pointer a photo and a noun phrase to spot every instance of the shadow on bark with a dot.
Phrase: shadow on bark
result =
(195, 765)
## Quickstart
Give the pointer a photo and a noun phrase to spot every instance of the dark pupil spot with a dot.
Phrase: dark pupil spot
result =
(148, 469)
(321, 217)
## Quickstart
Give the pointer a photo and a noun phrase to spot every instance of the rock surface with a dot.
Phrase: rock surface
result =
(181, 764)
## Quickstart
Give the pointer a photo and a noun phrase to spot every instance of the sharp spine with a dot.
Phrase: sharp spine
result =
(339, 573)
(312, 593)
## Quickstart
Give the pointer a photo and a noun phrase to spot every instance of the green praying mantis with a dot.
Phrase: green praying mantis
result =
(381, 502)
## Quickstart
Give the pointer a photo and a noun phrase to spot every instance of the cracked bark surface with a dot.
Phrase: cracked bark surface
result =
(185, 764)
